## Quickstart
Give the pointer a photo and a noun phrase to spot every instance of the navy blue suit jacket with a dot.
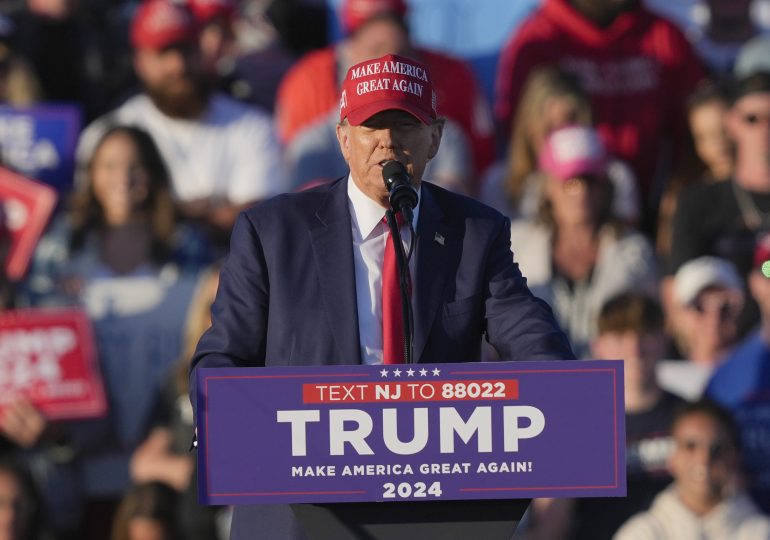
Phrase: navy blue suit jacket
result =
(287, 297)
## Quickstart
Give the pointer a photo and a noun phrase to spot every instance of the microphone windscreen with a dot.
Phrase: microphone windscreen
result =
(393, 168)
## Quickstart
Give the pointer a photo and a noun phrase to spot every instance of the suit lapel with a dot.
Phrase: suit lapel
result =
(333, 249)
(435, 244)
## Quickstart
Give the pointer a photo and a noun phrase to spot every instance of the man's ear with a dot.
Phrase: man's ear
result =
(343, 138)
(436, 130)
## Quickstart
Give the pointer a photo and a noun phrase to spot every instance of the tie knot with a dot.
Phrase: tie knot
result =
(399, 220)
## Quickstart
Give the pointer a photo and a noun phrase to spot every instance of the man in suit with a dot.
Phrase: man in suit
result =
(305, 285)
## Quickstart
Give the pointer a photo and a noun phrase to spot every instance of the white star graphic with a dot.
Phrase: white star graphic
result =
(410, 372)
(383, 373)
(397, 373)
(437, 372)
(423, 372)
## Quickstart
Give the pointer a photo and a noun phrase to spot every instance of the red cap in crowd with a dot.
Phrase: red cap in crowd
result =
(160, 23)
(762, 253)
(206, 10)
(354, 13)
(388, 82)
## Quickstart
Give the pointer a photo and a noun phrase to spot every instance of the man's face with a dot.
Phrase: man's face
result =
(639, 352)
(172, 78)
(704, 461)
(712, 318)
(748, 122)
(378, 37)
(388, 135)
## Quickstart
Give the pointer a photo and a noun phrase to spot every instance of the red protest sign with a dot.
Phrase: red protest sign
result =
(25, 208)
(48, 356)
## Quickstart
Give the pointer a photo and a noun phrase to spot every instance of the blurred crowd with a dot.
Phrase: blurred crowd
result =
(629, 146)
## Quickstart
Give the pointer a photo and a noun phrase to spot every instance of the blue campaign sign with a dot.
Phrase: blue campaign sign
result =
(419, 432)
(39, 142)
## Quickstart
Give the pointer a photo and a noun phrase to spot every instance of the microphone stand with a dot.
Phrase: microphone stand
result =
(402, 264)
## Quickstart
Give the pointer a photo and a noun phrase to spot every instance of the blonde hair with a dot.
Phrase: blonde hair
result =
(21, 85)
(542, 85)
(196, 323)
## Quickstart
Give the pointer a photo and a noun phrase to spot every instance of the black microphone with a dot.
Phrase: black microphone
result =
(402, 195)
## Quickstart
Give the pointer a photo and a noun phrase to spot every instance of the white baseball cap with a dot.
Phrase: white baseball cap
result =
(701, 273)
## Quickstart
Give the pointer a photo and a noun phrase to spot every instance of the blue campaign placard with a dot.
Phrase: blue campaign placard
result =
(39, 142)
(411, 432)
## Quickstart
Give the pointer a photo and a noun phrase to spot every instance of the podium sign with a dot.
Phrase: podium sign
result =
(48, 356)
(497, 430)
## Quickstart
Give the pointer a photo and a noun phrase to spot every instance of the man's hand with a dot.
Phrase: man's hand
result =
(22, 423)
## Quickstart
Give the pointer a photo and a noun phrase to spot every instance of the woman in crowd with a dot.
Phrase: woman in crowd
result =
(21, 512)
(120, 253)
(708, 156)
(147, 512)
(551, 99)
(576, 253)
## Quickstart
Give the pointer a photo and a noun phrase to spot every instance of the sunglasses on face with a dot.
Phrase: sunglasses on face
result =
(726, 309)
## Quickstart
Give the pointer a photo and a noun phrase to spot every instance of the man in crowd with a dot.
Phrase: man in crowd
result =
(296, 290)
(723, 218)
(705, 499)
(222, 155)
(742, 383)
(630, 326)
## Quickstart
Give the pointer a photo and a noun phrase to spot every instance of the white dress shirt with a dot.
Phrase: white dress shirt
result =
(369, 237)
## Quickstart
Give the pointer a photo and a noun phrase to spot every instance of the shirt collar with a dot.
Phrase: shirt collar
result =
(366, 213)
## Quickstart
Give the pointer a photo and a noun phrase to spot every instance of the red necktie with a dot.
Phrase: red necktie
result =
(392, 326)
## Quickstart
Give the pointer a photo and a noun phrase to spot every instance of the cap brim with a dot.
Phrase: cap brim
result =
(364, 112)
(165, 41)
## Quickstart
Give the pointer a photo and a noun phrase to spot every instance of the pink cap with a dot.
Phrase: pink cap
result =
(160, 23)
(206, 10)
(354, 13)
(573, 151)
(388, 82)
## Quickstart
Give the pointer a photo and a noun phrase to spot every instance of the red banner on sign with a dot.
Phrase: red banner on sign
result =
(48, 356)
(26, 206)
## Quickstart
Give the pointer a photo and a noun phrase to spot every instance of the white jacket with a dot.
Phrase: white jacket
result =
(736, 518)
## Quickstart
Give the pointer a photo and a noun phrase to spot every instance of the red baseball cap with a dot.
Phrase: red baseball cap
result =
(762, 251)
(206, 10)
(354, 13)
(388, 82)
(160, 23)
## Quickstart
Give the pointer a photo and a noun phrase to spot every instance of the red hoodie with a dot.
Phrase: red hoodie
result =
(638, 72)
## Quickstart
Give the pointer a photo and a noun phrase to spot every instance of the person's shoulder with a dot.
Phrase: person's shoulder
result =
(535, 26)
(225, 109)
(642, 526)
(740, 375)
(314, 62)
(660, 23)
(294, 206)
